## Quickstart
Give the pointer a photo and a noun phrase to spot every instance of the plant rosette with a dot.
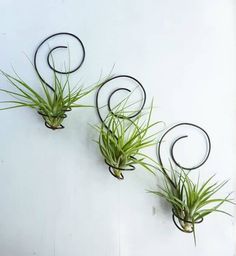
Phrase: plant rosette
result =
(121, 141)
(191, 202)
(52, 105)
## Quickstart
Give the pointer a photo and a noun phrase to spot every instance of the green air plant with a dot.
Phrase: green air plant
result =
(190, 202)
(121, 141)
(52, 105)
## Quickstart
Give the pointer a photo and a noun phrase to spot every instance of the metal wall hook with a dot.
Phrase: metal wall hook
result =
(130, 167)
(172, 156)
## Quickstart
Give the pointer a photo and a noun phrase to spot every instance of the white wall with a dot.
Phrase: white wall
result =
(56, 195)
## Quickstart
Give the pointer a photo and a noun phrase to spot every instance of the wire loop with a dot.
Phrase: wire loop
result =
(131, 167)
(50, 53)
(180, 138)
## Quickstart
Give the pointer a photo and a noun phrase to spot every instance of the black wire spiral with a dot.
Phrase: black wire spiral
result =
(174, 215)
(63, 116)
(51, 51)
(131, 167)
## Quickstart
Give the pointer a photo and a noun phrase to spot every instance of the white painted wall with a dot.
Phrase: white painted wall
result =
(56, 195)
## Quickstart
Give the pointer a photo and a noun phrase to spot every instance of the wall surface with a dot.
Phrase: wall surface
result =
(57, 197)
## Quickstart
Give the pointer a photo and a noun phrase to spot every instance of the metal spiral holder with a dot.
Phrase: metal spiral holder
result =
(173, 159)
(63, 114)
(129, 118)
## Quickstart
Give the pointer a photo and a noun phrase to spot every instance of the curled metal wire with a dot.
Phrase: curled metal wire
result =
(112, 94)
(121, 177)
(130, 117)
(50, 53)
(63, 116)
(174, 215)
(178, 139)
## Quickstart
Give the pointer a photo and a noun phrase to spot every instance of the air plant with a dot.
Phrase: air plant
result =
(121, 141)
(52, 105)
(190, 201)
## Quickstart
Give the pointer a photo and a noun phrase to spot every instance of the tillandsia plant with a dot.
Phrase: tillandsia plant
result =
(54, 100)
(190, 201)
(121, 141)
(52, 105)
